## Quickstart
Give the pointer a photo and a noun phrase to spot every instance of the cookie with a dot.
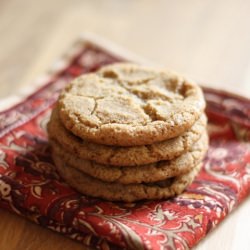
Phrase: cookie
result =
(125, 156)
(129, 105)
(146, 173)
(88, 185)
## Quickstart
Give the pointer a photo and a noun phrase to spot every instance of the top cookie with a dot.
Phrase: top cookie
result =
(127, 105)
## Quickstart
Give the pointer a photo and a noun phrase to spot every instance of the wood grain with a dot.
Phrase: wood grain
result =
(19, 233)
(206, 40)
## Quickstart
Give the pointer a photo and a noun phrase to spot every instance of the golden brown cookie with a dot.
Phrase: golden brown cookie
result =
(128, 105)
(88, 185)
(146, 173)
(125, 156)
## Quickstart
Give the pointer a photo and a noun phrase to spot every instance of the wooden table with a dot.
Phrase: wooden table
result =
(206, 40)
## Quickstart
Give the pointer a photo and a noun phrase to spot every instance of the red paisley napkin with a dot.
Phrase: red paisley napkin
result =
(30, 186)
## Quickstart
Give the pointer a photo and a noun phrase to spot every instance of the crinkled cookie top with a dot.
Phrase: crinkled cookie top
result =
(127, 105)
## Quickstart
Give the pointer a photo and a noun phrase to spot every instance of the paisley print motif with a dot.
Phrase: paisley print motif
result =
(30, 186)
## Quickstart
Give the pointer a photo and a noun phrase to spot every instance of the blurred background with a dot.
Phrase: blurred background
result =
(206, 40)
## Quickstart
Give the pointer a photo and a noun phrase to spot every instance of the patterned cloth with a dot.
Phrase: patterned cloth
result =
(30, 186)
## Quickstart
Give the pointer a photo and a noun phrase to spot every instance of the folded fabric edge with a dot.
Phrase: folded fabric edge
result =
(62, 63)
(86, 239)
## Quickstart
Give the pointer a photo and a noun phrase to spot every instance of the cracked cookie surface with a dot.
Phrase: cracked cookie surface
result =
(145, 173)
(88, 185)
(128, 105)
(124, 156)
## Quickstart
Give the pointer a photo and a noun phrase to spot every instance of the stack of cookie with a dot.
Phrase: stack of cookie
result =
(128, 133)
